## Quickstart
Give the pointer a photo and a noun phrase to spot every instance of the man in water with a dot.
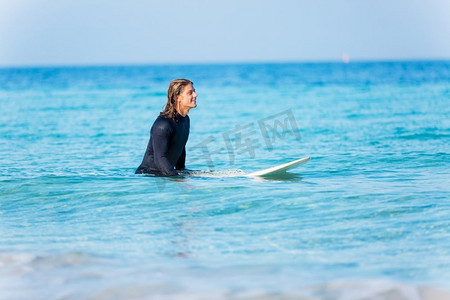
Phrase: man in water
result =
(166, 151)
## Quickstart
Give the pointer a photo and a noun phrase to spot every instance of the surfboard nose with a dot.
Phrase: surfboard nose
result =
(280, 168)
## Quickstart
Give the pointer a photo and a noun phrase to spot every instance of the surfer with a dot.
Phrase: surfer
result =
(166, 151)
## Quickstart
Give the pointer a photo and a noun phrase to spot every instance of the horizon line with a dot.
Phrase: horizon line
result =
(218, 62)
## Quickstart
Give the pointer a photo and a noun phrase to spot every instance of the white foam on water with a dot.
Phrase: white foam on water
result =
(376, 289)
(81, 276)
(218, 174)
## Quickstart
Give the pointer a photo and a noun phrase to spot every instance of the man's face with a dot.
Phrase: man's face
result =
(187, 98)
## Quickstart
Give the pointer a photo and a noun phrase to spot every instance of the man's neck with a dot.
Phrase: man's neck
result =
(183, 112)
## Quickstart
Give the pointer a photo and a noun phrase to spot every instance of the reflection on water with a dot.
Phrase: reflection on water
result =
(287, 176)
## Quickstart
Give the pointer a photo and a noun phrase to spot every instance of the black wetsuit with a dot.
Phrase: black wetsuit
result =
(166, 150)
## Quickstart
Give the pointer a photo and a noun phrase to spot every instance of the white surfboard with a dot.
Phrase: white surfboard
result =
(273, 171)
(279, 169)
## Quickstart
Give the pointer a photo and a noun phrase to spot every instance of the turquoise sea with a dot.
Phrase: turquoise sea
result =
(367, 218)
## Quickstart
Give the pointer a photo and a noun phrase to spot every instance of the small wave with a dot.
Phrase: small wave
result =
(424, 136)
(218, 174)
(379, 289)
(20, 272)
(28, 261)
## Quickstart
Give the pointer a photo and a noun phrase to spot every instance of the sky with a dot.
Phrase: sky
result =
(121, 32)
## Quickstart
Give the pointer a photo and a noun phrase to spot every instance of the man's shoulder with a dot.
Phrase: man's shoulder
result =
(162, 118)
(162, 123)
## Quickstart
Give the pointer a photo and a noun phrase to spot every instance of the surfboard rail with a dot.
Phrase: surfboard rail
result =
(280, 168)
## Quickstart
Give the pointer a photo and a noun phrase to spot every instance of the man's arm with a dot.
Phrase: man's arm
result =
(160, 142)
(181, 161)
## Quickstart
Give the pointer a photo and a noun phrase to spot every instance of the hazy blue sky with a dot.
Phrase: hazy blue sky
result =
(73, 32)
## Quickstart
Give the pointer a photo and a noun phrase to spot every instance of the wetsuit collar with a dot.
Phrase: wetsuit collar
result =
(179, 117)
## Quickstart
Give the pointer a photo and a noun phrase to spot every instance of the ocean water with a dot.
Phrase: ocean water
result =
(367, 218)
